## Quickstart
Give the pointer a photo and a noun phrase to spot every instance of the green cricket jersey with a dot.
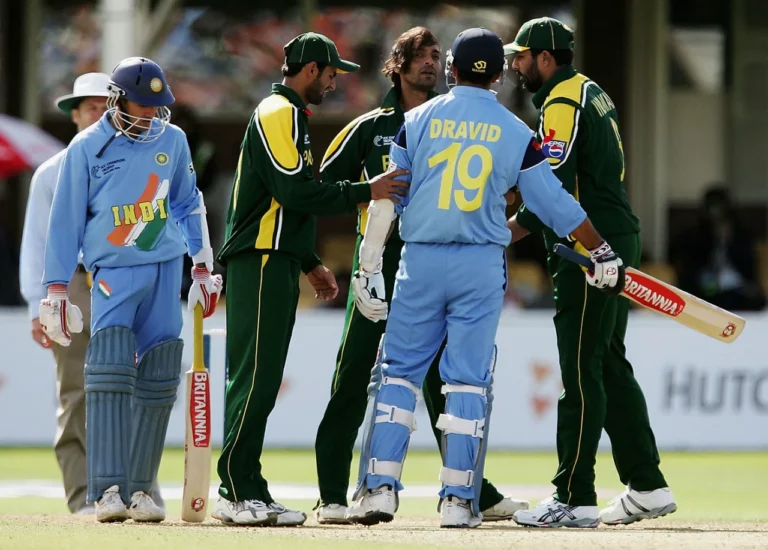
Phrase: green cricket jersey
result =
(579, 134)
(275, 196)
(361, 150)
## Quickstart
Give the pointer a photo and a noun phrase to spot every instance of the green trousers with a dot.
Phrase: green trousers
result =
(599, 387)
(346, 410)
(262, 296)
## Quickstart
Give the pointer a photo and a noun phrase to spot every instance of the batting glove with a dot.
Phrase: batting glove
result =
(205, 290)
(370, 296)
(59, 317)
(608, 274)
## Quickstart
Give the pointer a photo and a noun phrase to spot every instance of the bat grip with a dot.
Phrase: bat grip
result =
(571, 255)
(198, 337)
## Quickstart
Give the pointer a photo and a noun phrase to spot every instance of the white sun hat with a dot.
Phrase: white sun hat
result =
(87, 85)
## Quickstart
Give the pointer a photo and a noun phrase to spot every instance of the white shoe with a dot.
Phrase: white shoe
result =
(456, 512)
(375, 506)
(143, 508)
(286, 517)
(331, 514)
(110, 507)
(87, 510)
(243, 512)
(505, 509)
(631, 506)
(553, 513)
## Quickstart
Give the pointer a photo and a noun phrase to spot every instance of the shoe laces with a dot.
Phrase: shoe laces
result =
(618, 497)
(242, 505)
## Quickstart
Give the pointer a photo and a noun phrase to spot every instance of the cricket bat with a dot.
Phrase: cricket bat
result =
(670, 301)
(197, 442)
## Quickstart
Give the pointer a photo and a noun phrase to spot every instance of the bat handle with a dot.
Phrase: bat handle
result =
(198, 335)
(571, 255)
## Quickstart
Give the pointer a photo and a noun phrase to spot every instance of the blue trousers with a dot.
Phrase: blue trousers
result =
(144, 298)
(441, 289)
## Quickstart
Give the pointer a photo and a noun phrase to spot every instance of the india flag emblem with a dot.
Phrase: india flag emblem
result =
(147, 217)
(104, 289)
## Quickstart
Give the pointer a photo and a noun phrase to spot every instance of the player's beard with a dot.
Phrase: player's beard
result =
(421, 82)
(531, 79)
(316, 92)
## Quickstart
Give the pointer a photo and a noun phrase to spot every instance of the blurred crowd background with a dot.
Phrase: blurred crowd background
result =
(690, 80)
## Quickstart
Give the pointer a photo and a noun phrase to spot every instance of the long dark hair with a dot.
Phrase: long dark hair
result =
(403, 50)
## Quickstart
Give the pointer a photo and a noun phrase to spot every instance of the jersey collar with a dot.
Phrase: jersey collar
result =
(291, 96)
(472, 91)
(392, 100)
(561, 75)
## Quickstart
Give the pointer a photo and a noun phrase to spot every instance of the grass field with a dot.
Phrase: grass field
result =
(721, 501)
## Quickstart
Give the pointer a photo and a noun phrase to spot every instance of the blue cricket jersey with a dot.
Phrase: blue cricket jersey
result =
(131, 206)
(464, 151)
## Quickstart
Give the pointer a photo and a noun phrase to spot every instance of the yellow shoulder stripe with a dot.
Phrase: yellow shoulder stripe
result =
(343, 137)
(573, 89)
(278, 128)
(559, 127)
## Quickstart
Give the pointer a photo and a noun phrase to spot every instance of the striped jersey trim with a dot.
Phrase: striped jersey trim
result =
(342, 139)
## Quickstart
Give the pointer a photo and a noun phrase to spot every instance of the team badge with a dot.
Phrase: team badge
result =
(161, 159)
(156, 84)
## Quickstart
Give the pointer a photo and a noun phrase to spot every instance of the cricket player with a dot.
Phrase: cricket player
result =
(85, 105)
(359, 150)
(465, 152)
(270, 241)
(578, 132)
(126, 197)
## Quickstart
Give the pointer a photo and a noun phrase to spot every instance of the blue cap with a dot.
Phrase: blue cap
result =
(142, 81)
(478, 51)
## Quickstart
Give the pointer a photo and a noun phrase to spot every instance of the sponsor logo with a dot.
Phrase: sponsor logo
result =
(729, 330)
(306, 139)
(99, 170)
(200, 410)
(198, 504)
(479, 67)
(652, 294)
(162, 159)
(191, 168)
(383, 141)
(554, 149)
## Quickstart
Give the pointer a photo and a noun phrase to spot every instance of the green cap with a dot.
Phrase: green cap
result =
(544, 33)
(312, 46)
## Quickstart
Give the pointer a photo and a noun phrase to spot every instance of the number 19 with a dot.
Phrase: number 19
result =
(450, 155)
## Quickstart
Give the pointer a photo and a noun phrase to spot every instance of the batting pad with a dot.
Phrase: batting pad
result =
(156, 384)
(110, 376)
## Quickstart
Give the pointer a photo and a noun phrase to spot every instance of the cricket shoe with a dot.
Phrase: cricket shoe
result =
(243, 512)
(287, 517)
(456, 513)
(110, 507)
(504, 509)
(375, 506)
(631, 506)
(553, 513)
(331, 514)
(144, 509)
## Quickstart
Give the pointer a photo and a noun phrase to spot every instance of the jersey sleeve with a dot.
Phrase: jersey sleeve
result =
(31, 264)
(186, 202)
(344, 158)
(276, 130)
(544, 196)
(69, 211)
(557, 135)
(400, 159)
